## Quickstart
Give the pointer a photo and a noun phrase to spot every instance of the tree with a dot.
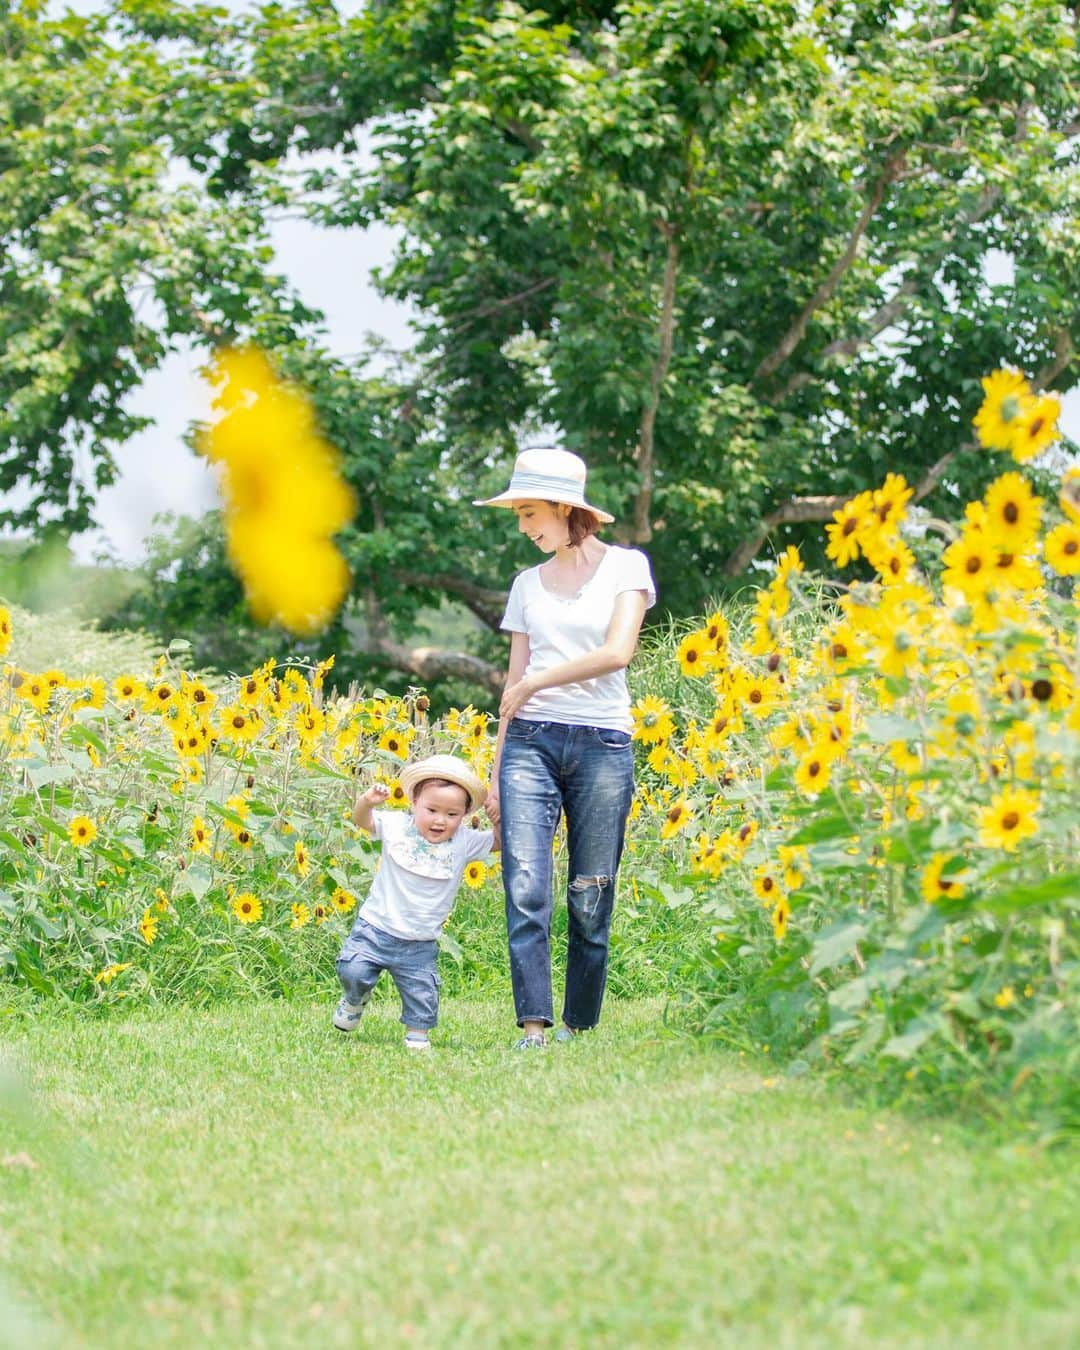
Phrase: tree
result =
(736, 252)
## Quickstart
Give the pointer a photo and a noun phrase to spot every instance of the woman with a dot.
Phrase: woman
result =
(564, 735)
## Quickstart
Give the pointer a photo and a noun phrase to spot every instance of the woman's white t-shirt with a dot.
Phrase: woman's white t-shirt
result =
(561, 628)
(414, 888)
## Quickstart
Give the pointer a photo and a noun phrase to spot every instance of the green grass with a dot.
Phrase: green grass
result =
(247, 1177)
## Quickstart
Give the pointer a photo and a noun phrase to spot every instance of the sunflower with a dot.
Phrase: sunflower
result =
(81, 831)
(5, 629)
(678, 817)
(475, 875)
(844, 531)
(148, 926)
(969, 564)
(1010, 817)
(1035, 427)
(247, 907)
(126, 689)
(996, 421)
(200, 698)
(320, 913)
(110, 973)
(160, 698)
(780, 916)
(302, 858)
(238, 723)
(717, 633)
(653, 723)
(200, 836)
(934, 885)
(1062, 549)
(813, 771)
(693, 654)
(36, 692)
(890, 557)
(1012, 512)
(90, 692)
(342, 900)
(301, 915)
(395, 743)
(241, 834)
(766, 886)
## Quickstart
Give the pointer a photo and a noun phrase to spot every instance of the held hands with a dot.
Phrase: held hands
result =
(491, 807)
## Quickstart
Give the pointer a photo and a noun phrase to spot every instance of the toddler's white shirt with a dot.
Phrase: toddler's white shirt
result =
(413, 890)
(562, 629)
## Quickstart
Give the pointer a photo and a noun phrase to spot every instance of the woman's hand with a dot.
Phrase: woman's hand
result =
(515, 696)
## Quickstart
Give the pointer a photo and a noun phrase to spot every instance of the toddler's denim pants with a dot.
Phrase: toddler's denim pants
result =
(368, 951)
(588, 772)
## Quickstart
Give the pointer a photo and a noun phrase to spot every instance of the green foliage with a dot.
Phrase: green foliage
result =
(737, 254)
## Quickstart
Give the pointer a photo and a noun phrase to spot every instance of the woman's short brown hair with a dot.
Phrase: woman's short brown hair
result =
(580, 524)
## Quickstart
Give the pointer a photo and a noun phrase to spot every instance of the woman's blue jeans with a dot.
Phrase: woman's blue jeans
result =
(548, 768)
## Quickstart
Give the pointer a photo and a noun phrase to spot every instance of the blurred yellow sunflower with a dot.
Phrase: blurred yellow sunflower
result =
(1011, 817)
(995, 422)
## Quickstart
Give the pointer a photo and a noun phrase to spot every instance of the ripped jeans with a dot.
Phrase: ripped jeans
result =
(588, 772)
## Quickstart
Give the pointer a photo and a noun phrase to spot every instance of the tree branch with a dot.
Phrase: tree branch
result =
(644, 455)
(425, 663)
(827, 289)
(486, 603)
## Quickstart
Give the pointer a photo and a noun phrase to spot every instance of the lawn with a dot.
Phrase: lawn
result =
(248, 1177)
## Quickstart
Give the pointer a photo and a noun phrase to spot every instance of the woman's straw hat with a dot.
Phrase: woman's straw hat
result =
(449, 767)
(548, 476)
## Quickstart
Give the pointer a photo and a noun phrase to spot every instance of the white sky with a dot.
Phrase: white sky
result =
(331, 269)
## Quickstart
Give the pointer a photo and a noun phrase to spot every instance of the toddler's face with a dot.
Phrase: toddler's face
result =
(439, 811)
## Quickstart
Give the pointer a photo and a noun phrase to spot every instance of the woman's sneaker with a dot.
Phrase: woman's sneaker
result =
(347, 1015)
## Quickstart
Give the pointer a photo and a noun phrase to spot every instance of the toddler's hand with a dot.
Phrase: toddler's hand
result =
(376, 794)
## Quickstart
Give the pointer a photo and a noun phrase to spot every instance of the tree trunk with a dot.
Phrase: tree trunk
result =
(645, 456)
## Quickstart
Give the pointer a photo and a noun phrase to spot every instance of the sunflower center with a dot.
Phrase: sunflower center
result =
(850, 526)
(972, 566)
(1010, 820)
(1042, 690)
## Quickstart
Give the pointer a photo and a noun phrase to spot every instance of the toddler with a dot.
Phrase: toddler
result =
(424, 856)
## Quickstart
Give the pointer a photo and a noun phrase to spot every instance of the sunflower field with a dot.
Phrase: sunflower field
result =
(172, 837)
(855, 843)
(875, 790)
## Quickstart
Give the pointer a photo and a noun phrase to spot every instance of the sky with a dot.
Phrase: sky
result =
(331, 269)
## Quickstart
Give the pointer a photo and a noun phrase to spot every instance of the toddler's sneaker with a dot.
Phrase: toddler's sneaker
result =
(414, 1041)
(347, 1015)
(530, 1043)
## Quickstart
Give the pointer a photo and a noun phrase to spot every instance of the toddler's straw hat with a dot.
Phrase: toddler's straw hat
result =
(547, 475)
(449, 767)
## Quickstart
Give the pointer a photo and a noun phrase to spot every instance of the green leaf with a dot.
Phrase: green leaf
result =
(835, 944)
(1062, 886)
(918, 1032)
(449, 943)
(198, 878)
(881, 728)
(827, 827)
